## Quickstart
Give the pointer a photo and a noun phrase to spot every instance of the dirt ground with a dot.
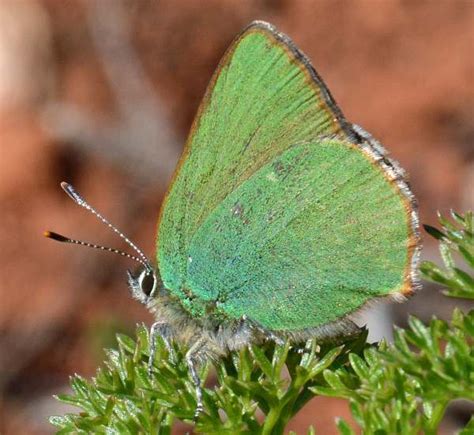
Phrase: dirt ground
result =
(102, 93)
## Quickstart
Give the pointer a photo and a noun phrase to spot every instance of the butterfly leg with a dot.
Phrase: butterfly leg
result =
(267, 334)
(192, 359)
(163, 330)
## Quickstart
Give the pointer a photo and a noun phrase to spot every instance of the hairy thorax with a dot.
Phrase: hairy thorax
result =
(220, 335)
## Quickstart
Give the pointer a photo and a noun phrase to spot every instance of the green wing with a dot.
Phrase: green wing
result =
(275, 212)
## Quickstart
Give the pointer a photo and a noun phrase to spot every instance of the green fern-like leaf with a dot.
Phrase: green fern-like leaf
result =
(405, 387)
(123, 398)
(454, 237)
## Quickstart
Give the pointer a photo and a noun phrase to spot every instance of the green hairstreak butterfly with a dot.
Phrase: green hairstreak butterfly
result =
(283, 219)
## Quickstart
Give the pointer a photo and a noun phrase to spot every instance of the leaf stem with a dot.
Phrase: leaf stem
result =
(433, 423)
(271, 421)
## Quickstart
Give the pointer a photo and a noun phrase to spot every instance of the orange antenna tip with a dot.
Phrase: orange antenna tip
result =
(55, 236)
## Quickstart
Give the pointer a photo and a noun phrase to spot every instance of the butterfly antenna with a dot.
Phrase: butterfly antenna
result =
(63, 239)
(79, 200)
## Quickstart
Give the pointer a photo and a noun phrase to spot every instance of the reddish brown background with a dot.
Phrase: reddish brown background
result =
(101, 94)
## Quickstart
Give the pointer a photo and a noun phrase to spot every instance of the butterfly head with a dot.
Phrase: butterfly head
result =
(143, 283)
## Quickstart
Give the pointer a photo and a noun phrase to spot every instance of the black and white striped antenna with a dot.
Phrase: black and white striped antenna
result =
(79, 200)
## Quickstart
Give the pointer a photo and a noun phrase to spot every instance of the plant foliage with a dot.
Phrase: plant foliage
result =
(455, 237)
(405, 387)
(123, 398)
(398, 388)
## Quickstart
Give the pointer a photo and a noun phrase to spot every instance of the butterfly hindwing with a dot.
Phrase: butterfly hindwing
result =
(308, 238)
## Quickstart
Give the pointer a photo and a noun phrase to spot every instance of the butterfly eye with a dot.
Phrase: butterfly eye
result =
(147, 281)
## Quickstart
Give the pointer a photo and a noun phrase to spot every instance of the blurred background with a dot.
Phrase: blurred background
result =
(102, 93)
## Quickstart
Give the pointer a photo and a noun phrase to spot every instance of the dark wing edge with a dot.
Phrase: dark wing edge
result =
(301, 57)
(397, 176)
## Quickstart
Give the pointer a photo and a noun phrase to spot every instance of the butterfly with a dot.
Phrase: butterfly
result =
(283, 220)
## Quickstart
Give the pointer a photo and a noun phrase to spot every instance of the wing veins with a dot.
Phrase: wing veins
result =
(268, 240)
